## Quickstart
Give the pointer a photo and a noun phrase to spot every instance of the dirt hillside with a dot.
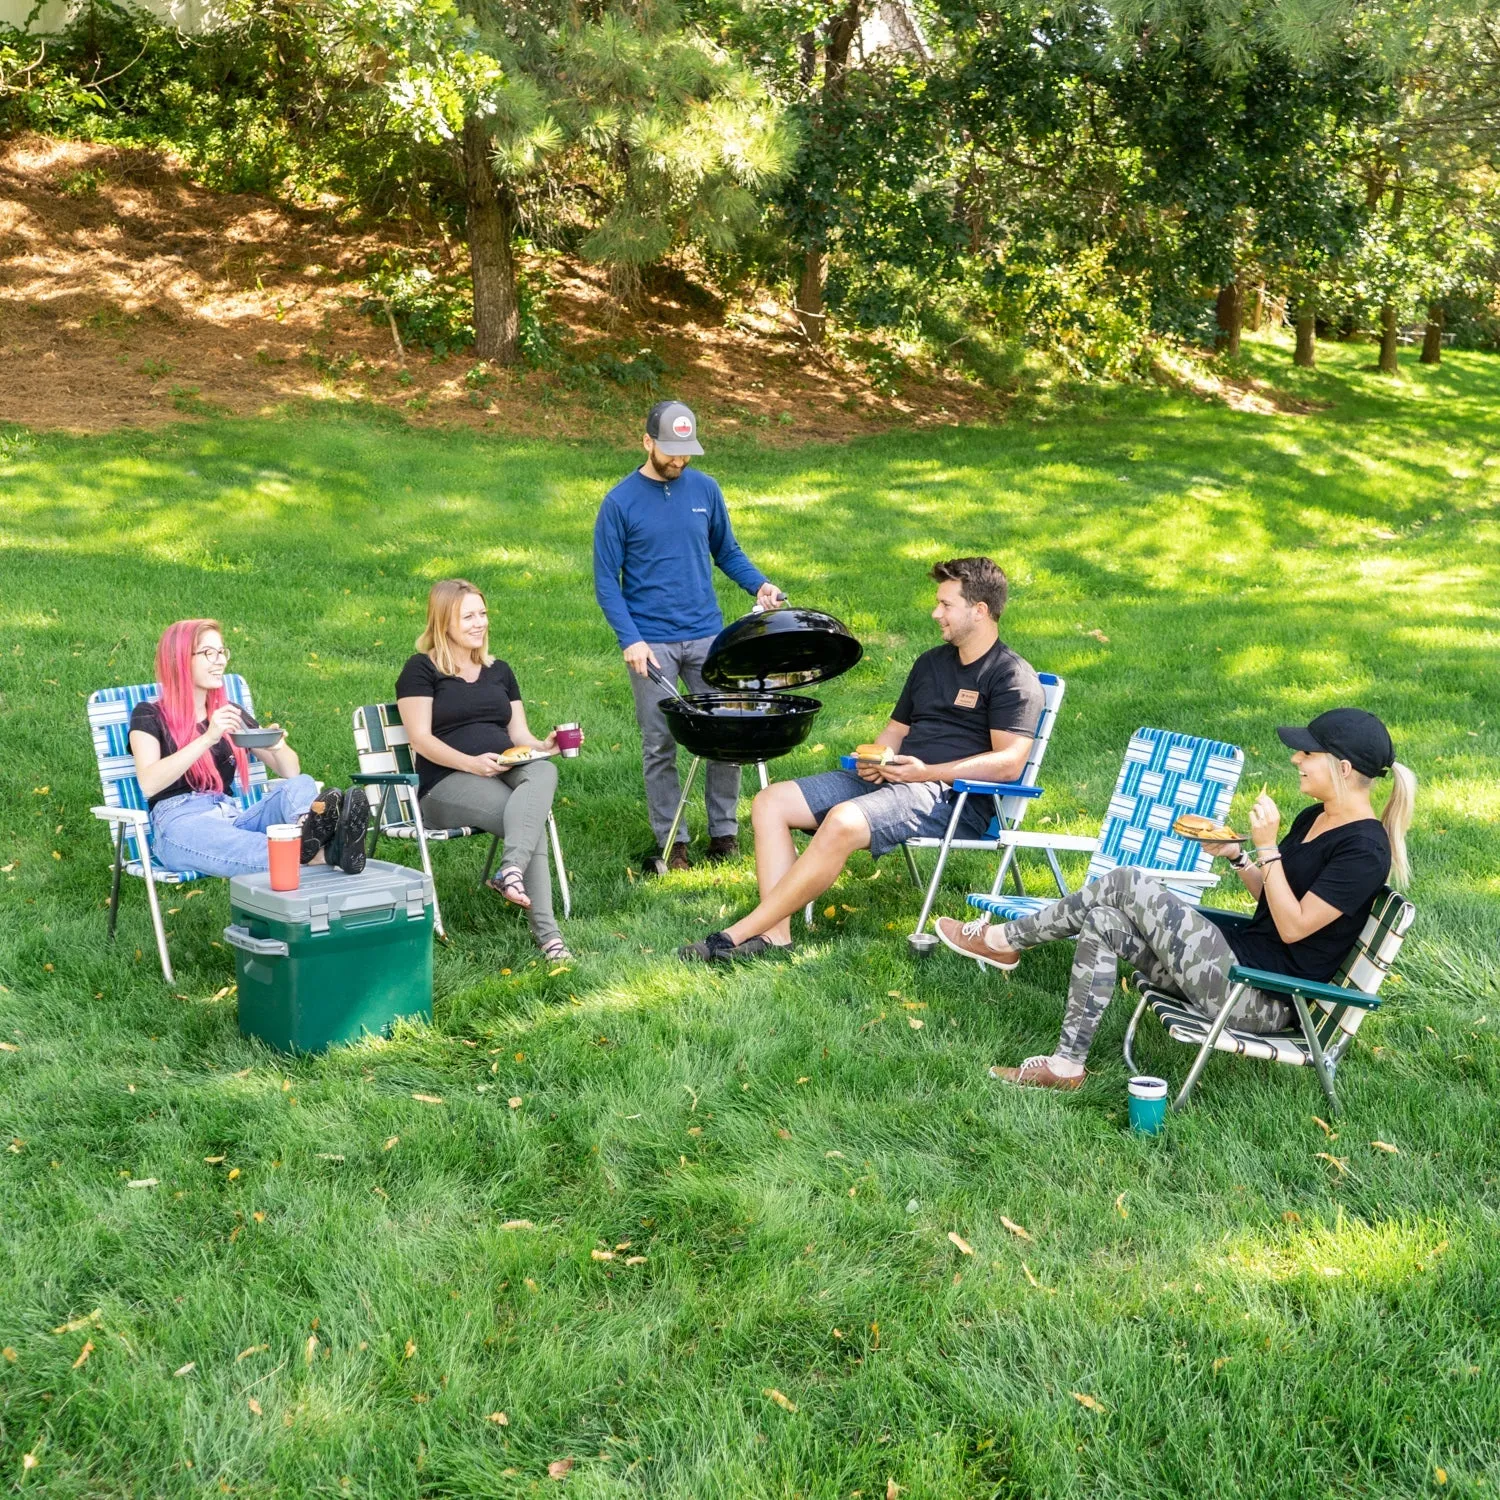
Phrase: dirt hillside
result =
(129, 296)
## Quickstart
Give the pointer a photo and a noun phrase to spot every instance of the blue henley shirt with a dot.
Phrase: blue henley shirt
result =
(653, 543)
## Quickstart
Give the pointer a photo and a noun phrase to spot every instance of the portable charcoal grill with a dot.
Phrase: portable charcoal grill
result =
(754, 719)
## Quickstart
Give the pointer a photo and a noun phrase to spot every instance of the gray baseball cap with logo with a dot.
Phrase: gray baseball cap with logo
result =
(673, 428)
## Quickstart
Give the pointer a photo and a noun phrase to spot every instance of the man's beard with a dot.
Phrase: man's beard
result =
(661, 473)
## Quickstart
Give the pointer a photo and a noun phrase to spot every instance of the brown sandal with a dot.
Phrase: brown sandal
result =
(507, 882)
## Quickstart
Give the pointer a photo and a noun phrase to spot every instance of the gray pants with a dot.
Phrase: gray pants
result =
(721, 789)
(1130, 915)
(514, 805)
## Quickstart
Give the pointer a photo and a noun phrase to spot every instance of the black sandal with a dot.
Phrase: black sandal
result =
(508, 882)
(554, 950)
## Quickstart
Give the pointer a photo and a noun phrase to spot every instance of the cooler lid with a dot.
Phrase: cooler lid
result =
(781, 648)
(326, 894)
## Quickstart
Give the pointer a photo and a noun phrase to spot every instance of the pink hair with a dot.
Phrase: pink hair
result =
(174, 671)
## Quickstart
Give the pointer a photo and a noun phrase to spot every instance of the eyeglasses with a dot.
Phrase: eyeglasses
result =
(214, 653)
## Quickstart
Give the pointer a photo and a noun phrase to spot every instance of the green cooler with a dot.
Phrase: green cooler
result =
(340, 956)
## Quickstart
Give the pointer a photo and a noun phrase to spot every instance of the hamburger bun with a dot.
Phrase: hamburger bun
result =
(875, 755)
(1205, 830)
(515, 755)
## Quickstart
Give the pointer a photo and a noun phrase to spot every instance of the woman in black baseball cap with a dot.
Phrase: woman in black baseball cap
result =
(1314, 891)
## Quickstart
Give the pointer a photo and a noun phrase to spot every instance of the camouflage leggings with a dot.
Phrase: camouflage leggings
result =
(1130, 915)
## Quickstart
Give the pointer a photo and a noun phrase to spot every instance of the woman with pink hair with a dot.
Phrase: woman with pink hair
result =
(188, 766)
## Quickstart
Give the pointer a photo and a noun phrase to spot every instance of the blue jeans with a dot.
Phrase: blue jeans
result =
(212, 834)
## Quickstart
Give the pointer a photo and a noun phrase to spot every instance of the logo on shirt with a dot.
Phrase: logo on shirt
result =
(682, 426)
(700, 510)
(967, 698)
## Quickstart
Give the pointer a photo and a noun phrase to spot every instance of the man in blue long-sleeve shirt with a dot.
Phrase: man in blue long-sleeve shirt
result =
(657, 537)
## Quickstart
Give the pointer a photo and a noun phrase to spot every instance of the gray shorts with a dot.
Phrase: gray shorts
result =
(895, 811)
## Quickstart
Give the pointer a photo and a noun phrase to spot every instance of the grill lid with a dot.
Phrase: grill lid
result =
(780, 648)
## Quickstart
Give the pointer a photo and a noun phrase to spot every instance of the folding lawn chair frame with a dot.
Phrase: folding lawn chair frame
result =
(124, 807)
(1011, 799)
(1164, 775)
(1328, 1015)
(387, 771)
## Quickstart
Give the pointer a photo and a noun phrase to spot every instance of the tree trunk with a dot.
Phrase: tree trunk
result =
(810, 312)
(1230, 312)
(1258, 309)
(1432, 338)
(1388, 339)
(1307, 337)
(840, 38)
(491, 228)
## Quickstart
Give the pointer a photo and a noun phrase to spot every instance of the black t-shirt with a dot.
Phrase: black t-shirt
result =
(468, 716)
(146, 718)
(950, 708)
(1346, 866)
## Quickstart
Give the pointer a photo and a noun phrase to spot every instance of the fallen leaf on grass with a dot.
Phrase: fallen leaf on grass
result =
(1100, 636)
(337, 1156)
(1386, 1147)
(83, 1354)
(560, 1468)
(253, 1349)
(428, 1098)
(255, 1406)
(1088, 1401)
(1031, 1278)
(1219, 1363)
(514, 1102)
(1015, 1228)
(9, 1354)
(311, 1348)
(784, 1402)
(234, 1173)
(1341, 1162)
(518, 1224)
(214, 1161)
(831, 1154)
(411, 1348)
(9, 1047)
(141, 1182)
(499, 1418)
(601, 1254)
(186, 1369)
(1326, 1128)
(1120, 1208)
(390, 1141)
(964, 1247)
(915, 1022)
(1440, 1476)
(635, 1260)
(94, 1318)
(29, 1461)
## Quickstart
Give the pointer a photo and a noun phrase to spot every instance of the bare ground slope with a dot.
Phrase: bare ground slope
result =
(131, 296)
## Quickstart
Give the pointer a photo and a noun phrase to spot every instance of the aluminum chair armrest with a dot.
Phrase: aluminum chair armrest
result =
(1207, 879)
(386, 778)
(136, 815)
(1309, 989)
(1076, 843)
(997, 788)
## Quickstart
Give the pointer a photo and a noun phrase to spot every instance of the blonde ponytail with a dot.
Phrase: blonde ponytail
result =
(1396, 819)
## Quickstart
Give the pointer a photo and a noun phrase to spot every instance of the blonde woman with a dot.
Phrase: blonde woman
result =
(1314, 890)
(462, 708)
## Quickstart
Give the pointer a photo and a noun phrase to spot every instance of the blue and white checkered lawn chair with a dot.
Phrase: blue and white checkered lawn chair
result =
(1164, 776)
(125, 804)
(1010, 800)
(388, 774)
(1338, 1006)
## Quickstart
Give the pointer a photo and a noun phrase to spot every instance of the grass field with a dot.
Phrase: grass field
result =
(320, 1296)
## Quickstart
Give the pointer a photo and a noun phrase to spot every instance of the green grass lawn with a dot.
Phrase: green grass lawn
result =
(321, 1296)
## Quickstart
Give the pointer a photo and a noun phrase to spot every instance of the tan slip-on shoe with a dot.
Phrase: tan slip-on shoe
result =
(968, 938)
(1036, 1073)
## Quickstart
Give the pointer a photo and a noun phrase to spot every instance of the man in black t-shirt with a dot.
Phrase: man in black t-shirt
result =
(969, 711)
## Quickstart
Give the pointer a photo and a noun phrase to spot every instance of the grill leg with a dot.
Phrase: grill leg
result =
(687, 789)
(114, 889)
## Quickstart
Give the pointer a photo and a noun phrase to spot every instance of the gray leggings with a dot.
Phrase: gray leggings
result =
(514, 805)
(1130, 915)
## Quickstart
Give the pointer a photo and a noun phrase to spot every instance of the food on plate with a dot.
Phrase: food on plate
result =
(874, 755)
(516, 754)
(1205, 830)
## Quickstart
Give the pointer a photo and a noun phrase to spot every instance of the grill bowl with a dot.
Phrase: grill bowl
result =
(739, 729)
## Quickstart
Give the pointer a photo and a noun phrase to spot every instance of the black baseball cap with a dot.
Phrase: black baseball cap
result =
(674, 429)
(1349, 734)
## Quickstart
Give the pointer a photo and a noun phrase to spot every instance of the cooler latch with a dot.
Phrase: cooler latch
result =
(416, 903)
(317, 912)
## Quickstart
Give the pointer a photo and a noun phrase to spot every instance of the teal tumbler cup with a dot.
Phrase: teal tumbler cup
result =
(1148, 1104)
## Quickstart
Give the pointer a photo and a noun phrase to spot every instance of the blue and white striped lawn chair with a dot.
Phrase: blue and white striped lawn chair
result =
(1164, 776)
(125, 804)
(1010, 799)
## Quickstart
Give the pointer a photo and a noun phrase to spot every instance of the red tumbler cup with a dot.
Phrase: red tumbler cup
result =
(285, 840)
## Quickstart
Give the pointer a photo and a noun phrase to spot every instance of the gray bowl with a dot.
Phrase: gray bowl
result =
(257, 739)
